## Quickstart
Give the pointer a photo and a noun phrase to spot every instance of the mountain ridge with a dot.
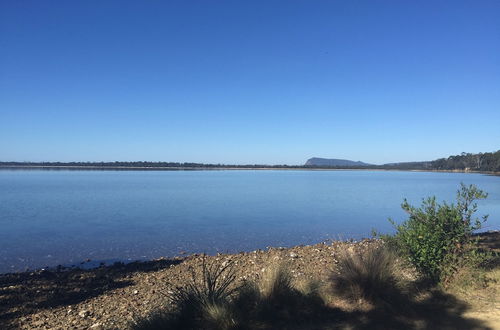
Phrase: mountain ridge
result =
(317, 161)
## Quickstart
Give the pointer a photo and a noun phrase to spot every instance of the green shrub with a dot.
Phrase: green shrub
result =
(437, 238)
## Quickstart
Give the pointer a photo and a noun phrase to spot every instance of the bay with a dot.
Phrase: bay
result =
(50, 218)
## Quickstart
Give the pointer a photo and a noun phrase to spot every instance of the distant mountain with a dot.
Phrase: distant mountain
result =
(334, 162)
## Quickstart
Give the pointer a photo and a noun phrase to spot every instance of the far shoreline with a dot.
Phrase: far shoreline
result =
(222, 168)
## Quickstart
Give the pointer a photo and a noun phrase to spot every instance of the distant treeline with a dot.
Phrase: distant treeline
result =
(487, 162)
(138, 164)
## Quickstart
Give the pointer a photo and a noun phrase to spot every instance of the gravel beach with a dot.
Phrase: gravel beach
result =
(113, 296)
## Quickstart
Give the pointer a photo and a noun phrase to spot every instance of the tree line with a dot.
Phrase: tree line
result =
(487, 161)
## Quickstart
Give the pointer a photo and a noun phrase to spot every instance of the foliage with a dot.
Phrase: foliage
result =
(214, 286)
(277, 283)
(206, 300)
(437, 238)
(488, 161)
(370, 276)
(269, 303)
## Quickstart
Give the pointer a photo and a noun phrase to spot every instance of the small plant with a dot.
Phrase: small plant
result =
(219, 316)
(276, 300)
(214, 286)
(205, 302)
(277, 284)
(369, 276)
(437, 238)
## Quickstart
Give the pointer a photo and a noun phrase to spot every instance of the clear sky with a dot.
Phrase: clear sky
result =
(238, 82)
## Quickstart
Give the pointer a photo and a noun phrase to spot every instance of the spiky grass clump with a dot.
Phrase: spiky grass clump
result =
(204, 303)
(213, 287)
(368, 276)
(214, 301)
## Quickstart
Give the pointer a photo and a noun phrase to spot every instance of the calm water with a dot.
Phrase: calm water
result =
(63, 217)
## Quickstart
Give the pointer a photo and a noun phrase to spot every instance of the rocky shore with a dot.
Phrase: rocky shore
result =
(111, 297)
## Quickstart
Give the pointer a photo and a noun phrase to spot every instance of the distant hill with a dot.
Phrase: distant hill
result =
(334, 162)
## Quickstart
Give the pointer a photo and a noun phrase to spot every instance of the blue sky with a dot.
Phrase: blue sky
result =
(239, 82)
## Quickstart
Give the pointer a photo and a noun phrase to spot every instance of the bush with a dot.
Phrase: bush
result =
(437, 238)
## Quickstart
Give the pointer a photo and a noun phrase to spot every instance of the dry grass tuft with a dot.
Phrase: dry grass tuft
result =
(369, 276)
(277, 283)
(219, 316)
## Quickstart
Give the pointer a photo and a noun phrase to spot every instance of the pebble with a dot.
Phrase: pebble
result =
(84, 313)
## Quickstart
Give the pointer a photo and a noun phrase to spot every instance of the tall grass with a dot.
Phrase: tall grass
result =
(212, 287)
(205, 302)
(368, 276)
(212, 300)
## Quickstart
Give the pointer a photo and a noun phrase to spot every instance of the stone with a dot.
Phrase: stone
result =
(84, 313)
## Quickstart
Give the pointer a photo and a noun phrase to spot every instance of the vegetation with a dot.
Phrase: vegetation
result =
(437, 238)
(206, 300)
(134, 165)
(488, 161)
(370, 281)
(370, 276)
(267, 304)
(485, 162)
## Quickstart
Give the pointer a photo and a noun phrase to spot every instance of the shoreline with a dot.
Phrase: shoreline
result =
(111, 297)
(91, 265)
(200, 168)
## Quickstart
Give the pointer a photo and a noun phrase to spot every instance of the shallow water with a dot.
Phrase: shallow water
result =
(63, 217)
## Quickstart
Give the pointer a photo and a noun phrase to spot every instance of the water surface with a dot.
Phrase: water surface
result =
(63, 217)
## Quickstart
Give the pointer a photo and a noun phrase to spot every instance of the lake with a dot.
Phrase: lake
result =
(63, 217)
